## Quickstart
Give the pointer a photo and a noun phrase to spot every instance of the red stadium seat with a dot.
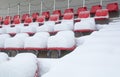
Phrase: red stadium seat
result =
(16, 16)
(8, 17)
(35, 15)
(84, 14)
(46, 14)
(81, 9)
(68, 16)
(95, 8)
(24, 16)
(54, 18)
(6, 22)
(16, 21)
(58, 12)
(112, 7)
(69, 10)
(102, 14)
(41, 19)
(27, 21)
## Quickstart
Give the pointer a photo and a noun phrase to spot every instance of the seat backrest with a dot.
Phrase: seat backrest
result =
(41, 19)
(8, 17)
(16, 16)
(68, 16)
(54, 18)
(102, 12)
(35, 15)
(81, 9)
(112, 6)
(95, 8)
(46, 14)
(6, 21)
(84, 14)
(58, 12)
(16, 21)
(24, 16)
(69, 10)
(28, 20)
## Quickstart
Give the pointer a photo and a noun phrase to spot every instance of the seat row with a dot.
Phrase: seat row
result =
(8, 19)
(87, 24)
(63, 40)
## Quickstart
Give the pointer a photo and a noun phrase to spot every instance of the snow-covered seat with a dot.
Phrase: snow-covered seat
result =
(3, 37)
(85, 25)
(63, 40)
(37, 42)
(66, 23)
(17, 42)
(48, 26)
(3, 57)
(22, 65)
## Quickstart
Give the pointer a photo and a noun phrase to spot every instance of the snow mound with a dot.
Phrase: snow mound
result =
(3, 57)
(22, 65)
(39, 40)
(48, 27)
(88, 23)
(63, 39)
(64, 25)
(17, 41)
(3, 37)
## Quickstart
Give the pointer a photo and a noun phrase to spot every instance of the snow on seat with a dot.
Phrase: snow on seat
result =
(37, 42)
(3, 57)
(101, 14)
(22, 65)
(48, 26)
(17, 42)
(3, 37)
(85, 25)
(66, 23)
(28, 28)
(63, 40)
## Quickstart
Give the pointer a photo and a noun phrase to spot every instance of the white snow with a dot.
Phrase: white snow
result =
(3, 57)
(39, 40)
(48, 26)
(87, 23)
(22, 65)
(17, 41)
(98, 56)
(64, 25)
(65, 39)
(3, 37)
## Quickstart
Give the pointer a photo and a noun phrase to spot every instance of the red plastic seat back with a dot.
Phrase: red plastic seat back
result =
(102, 12)
(54, 18)
(112, 7)
(95, 8)
(40, 19)
(57, 12)
(80, 9)
(69, 10)
(84, 14)
(68, 16)
(24, 16)
(16, 17)
(16, 21)
(46, 14)
(6, 22)
(35, 15)
(8, 17)
(28, 20)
